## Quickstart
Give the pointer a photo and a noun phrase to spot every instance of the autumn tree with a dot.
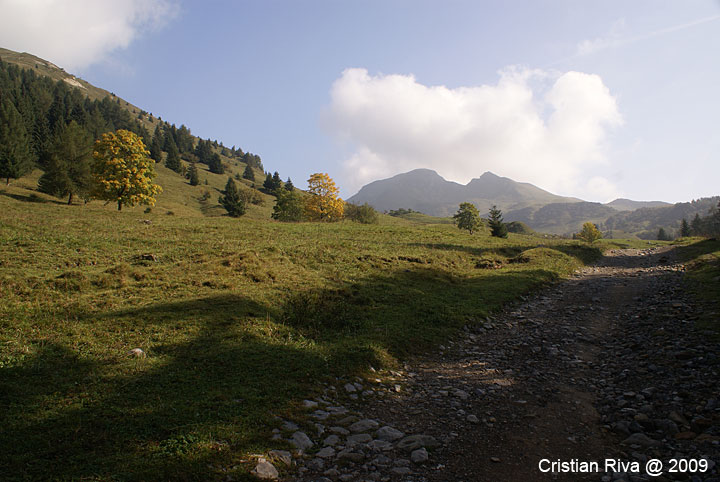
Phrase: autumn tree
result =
(231, 200)
(496, 223)
(68, 167)
(123, 170)
(589, 233)
(468, 217)
(324, 203)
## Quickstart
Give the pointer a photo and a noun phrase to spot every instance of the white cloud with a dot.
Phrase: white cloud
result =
(545, 128)
(77, 33)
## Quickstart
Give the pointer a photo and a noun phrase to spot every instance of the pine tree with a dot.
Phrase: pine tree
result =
(15, 157)
(172, 161)
(232, 201)
(497, 226)
(662, 235)
(684, 229)
(268, 184)
(289, 185)
(696, 226)
(68, 170)
(276, 182)
(192, 175)
(248, 173)
(215, 164)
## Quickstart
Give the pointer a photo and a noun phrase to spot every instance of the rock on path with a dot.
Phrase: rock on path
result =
(606, 365)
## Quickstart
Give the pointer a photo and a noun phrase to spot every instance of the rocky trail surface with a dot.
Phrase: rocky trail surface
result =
(606, 367)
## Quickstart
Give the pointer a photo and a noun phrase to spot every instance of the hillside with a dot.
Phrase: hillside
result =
(561, 218)
(426, 191)
(622, 204)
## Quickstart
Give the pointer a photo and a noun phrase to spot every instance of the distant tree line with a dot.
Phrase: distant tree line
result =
(36, 113)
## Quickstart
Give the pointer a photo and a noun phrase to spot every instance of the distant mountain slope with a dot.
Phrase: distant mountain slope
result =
(621, 204)
(561, 218)
(645, 222)
(426, 191)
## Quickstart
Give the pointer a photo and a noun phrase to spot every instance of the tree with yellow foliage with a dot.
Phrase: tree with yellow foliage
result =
(323, 204)
(123, 170)
(589, 233)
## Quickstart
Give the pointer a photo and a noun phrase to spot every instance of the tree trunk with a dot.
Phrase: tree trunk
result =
(70, 199)
(119, 205)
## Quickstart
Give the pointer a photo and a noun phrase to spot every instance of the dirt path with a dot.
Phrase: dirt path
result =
(607, 365)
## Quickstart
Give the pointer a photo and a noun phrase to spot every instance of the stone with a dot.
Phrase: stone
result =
(359, 438)
(316, 464)
(351, 456)
(363, 425)
(282, 455)
(380, 445)
(326, 452)
(331, 440)
(389, 434)
(289, 426)
(301, 441)
(472, 419)
(641, 439)
(350, 388)
(265, 470)
(339, 430)
(412, 442)
(309, 404)
(419, 456)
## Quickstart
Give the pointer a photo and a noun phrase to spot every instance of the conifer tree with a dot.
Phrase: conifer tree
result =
(289, 185)
(215, 164)
(231, 201)
(684, 229)
(276, 182)
(268, 184)
(497, 226)
(662, 235)
(696, 226)
(192, 175)
(172, 161)
(248, 173)
(15, 157)
(68, 168)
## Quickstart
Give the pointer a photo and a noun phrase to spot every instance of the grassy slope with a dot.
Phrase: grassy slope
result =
(703, 258)
(240, 319)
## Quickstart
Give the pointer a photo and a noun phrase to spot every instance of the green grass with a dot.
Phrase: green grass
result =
(703, 260)
(240, 319)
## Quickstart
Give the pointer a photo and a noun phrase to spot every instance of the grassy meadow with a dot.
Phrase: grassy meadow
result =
(240, 320)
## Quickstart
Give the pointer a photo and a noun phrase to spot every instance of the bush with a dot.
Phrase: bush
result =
(589, 233)
(364, 214)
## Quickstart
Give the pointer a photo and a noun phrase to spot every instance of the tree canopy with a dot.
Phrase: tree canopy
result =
(324, 203)
(68, 167)
(123, 170)
(467, 217)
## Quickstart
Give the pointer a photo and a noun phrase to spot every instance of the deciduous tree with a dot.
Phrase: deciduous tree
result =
(123, 170)
(288, 206)
(468, 217)
(324, 203)
(589, 233)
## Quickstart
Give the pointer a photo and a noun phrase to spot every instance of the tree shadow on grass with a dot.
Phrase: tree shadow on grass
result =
(199, 401)
(202, 400)
(31, 198)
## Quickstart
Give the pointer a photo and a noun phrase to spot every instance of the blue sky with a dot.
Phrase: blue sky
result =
(592, 99)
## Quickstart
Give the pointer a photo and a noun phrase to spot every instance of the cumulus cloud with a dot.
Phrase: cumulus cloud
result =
(77, 33)
(534, 126)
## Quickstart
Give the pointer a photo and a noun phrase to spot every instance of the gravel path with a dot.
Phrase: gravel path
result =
(606, 366)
